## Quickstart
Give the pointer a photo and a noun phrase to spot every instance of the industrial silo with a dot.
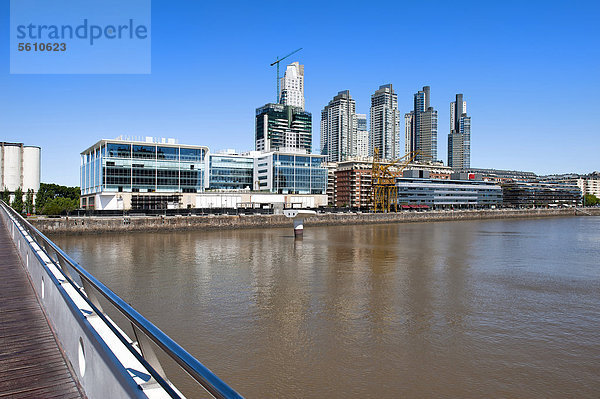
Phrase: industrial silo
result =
(31, 168)
(19, 167)
(12, 158)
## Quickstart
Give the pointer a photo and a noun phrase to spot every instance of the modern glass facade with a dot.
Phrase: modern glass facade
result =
(283, 126)
(527, 195)
(296, 174)
(292, 173)
(448, 193)
(230, 172)
(127, 166)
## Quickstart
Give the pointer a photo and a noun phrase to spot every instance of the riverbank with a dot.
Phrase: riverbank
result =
(96, 225)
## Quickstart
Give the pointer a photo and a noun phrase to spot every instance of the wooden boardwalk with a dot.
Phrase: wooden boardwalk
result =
(31, 362)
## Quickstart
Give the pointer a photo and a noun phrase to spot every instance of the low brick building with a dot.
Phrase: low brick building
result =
(353, 185)
(353, 180)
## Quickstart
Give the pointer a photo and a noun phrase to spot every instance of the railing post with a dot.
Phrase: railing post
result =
(89, 292)
(63, 266)
(148, 353)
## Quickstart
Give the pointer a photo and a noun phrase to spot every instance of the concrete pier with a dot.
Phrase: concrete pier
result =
(298, 216)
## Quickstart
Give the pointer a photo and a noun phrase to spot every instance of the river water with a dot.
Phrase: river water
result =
(507, 308)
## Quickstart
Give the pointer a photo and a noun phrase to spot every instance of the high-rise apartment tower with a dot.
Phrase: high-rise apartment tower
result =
(292, 86)
(385, 123)
(360, 144)
(421, 127)
(338, 127)
(459, 138)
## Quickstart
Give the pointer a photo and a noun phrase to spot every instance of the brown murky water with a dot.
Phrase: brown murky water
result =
(425, 310)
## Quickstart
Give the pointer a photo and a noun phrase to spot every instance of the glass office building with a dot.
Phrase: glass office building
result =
(283, 127)
(230, 172)
(142, 167)
(137, 175)
(285, 173)
(448, 193)
(537, 194)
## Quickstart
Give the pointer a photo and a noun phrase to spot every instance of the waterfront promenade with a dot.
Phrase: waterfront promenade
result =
(31, 363)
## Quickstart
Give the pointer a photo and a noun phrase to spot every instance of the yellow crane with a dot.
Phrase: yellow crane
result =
(383, 181)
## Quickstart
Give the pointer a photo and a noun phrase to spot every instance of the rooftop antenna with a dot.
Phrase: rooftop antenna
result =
(277, 62)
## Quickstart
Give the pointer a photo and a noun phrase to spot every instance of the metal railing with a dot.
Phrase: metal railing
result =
(145, 332)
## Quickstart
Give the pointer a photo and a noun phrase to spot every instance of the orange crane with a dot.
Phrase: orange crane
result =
(383, 183)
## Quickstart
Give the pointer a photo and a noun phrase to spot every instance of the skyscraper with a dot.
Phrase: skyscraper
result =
(292, 86)
(459, 138)
(408, 136)
(338, 127)
(360, 143)
(421, 127)
(385, 123)
(283, 128)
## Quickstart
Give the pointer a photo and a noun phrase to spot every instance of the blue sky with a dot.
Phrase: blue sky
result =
(529, 72)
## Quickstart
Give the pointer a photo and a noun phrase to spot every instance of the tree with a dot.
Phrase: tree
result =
(49, 192)
(6, 195)
(17, 203)
(59, 205)
(29, 201)
(590, 200)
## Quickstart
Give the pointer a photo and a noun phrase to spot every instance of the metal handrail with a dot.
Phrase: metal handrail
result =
(200, 373)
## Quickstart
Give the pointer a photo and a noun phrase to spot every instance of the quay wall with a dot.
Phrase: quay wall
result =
(95, 225)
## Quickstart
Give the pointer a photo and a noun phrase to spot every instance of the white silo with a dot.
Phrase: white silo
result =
(31, 168)
(11, 169)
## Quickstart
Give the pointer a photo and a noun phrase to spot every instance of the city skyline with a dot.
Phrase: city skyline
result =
(518, 50)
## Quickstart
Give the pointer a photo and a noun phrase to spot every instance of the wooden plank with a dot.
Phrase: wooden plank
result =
(31, 362)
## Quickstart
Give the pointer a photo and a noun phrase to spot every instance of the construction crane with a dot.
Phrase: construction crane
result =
(277, 62)
(383, 183)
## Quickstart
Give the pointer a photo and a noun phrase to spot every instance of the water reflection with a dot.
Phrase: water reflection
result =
(458, 309)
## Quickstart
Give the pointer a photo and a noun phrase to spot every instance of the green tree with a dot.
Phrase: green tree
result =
(49, 192)
(17, 203)
(59, 205)
(29, 201)
(6, 195)
(590, 200)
